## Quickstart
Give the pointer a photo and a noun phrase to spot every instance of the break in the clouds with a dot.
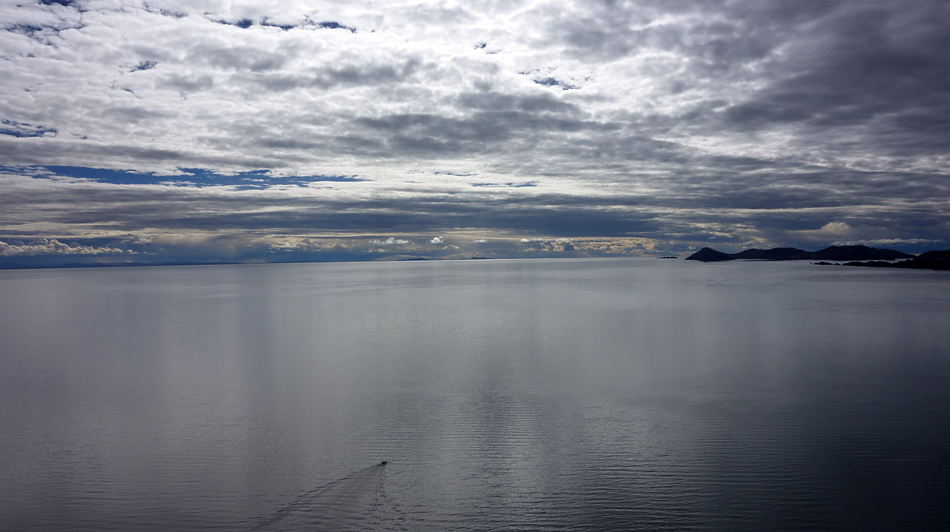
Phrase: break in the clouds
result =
(170, 131)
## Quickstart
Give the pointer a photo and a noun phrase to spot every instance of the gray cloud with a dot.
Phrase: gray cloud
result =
(772, 122)
(188, 83)
(346, 76)
(237, 58)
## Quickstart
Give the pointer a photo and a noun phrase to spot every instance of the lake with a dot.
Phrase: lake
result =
(569, 394)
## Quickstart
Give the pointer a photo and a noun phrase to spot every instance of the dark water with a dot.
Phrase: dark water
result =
(636, 394)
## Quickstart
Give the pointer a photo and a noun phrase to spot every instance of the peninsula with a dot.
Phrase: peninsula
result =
(931, 260)
(854, 255)
(837, 253)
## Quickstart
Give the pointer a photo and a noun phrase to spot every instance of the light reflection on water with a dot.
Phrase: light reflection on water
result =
(521, 395)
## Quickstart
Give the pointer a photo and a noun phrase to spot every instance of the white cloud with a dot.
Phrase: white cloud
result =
(437, 240)
(390, 241)
(831, 231)
(51, 246)
(296, 87)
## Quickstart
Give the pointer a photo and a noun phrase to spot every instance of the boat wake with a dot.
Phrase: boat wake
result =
(348, 503)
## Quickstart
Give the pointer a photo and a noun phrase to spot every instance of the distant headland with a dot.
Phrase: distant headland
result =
(855, 255)
(838, 253)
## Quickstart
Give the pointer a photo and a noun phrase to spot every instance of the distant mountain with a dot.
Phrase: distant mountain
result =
(839, 253)
(773, 254)
(710, 255)
(933, 256)
(866, 253)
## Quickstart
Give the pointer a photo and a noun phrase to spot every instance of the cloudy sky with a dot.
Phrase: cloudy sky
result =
(211, 130)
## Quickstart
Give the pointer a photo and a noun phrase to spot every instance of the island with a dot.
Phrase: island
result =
(855, 255)
(838, 253)
(931, 260)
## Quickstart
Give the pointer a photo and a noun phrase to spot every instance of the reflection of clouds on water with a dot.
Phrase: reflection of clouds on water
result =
(351, 502)
(508, 395)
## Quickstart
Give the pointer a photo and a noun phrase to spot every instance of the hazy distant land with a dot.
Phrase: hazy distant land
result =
(842, 255)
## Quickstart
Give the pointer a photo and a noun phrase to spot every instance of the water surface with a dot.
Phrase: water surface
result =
(620, 394)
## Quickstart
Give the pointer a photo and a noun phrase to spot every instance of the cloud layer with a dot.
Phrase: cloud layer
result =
(262, 126)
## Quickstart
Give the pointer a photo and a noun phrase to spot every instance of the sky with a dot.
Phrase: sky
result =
(274, 131)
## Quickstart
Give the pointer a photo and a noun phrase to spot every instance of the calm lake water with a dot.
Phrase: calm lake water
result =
(620, 394)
